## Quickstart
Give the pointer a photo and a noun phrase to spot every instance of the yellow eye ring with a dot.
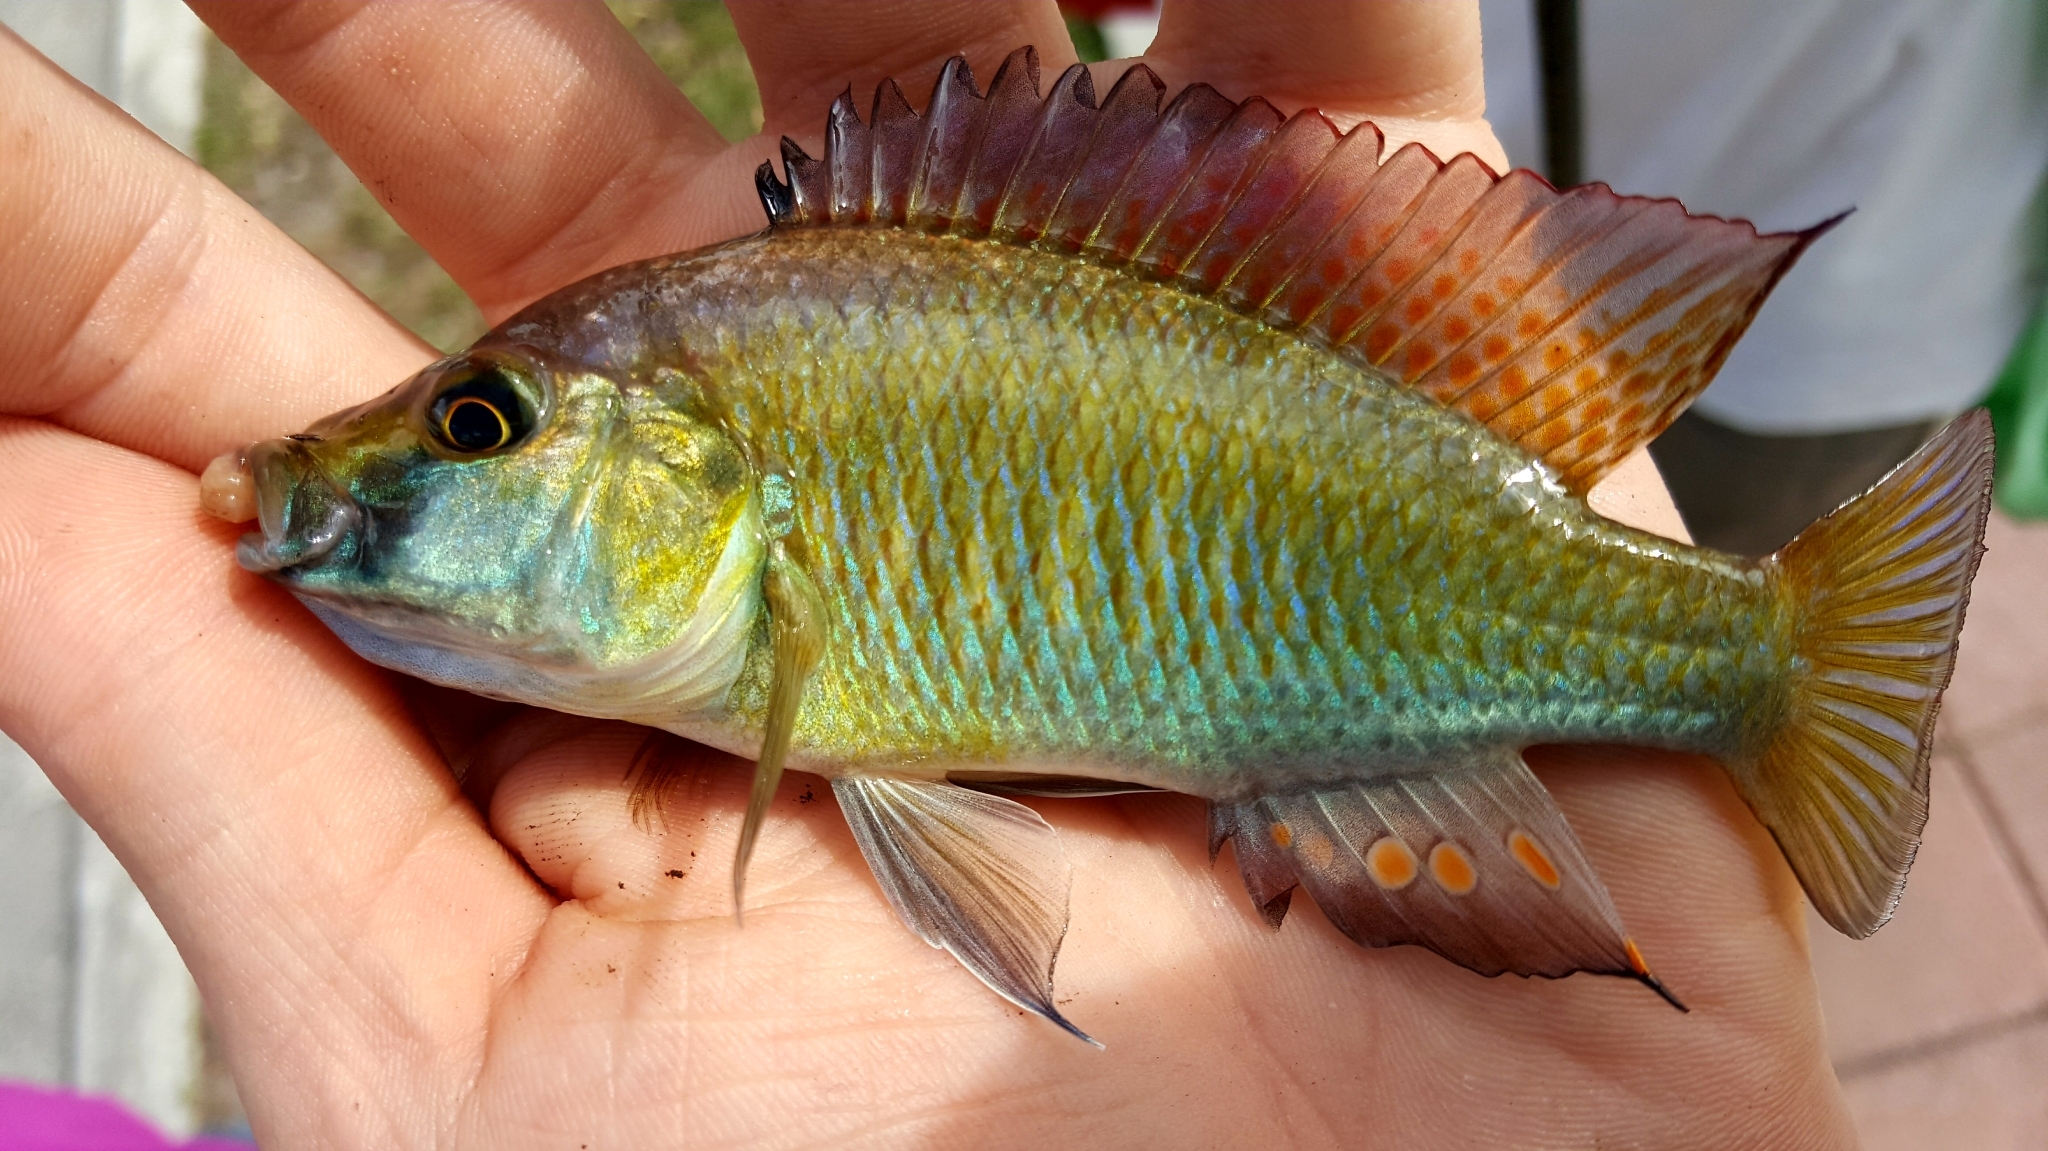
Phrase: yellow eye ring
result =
(466, 436)
(480, 408)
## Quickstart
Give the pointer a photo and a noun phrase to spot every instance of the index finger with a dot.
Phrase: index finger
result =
(145, 304)
(1410, 66)
(524, 145)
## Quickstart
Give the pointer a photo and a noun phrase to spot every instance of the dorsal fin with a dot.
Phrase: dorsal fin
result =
(1577, 324)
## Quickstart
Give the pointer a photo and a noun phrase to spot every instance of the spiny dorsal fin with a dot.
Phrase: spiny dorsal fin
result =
(1577, 324)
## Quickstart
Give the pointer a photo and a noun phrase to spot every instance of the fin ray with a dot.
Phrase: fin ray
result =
(1126, 119)
(1282, 171)
(1159, 172)
(1341, 180)
(981, 876)
(1059, 138)
(1006, 131)
(951, 123)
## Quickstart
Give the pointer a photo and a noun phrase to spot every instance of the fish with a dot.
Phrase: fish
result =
(1045, 444)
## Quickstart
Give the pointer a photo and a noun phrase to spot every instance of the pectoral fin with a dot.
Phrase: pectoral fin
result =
(977, 874)
(1472, 860)
(798, 616)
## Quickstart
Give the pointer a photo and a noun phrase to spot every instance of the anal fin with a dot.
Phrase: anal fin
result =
(1472, 860)
(979, 875)
(1266, 866)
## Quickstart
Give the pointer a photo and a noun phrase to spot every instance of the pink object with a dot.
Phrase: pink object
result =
(37, 1118)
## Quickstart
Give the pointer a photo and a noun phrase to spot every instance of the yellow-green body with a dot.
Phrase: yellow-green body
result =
(1070, 521)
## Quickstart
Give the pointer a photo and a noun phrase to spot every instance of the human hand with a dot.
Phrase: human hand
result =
(383, 969)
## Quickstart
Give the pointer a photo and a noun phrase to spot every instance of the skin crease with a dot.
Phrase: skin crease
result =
(394, 963)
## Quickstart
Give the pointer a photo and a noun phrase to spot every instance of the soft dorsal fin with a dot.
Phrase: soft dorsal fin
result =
(1577, 324)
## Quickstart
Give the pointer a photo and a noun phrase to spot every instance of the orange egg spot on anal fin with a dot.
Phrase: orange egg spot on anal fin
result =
(1391, 864)
(1281, 836)
(1451, 869)
(1533, 859)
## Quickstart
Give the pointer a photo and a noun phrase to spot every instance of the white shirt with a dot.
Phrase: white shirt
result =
(1929, 117)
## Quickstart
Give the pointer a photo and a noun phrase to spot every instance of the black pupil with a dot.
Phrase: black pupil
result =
(474, 427)
(481, 413)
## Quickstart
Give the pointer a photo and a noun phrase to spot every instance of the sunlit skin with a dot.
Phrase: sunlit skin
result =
(396, 959)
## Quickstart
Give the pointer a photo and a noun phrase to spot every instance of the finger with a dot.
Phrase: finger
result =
(149, 307)
(1410, 66)
(806, 52)
(523, 144)
(294, 831)
(1403, 57)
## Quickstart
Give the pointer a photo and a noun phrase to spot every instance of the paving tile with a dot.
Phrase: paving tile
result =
(2013, 773)
(1986, 1095)
(2002, 669)
(1965, 948)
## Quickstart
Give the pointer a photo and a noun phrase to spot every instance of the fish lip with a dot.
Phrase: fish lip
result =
(289, 484)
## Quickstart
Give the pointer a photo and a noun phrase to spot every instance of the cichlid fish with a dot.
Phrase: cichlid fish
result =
(1047, 447)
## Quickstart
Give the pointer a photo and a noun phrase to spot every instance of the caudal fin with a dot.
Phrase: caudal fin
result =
(1880, 584)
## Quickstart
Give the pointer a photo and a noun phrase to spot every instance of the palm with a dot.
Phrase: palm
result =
(386, 973)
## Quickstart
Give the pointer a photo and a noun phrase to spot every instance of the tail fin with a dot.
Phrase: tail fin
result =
(1880, 584)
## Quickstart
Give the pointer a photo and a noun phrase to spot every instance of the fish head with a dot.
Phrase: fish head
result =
(513, 526)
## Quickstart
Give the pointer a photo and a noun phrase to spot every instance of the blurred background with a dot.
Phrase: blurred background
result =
(1938, 1026)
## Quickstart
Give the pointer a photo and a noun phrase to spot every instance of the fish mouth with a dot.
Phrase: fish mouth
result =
(305, 516)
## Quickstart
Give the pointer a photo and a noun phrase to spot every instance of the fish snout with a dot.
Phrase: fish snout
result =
(304, 515)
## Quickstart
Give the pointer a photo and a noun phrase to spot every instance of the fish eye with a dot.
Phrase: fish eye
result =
(480, 408)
